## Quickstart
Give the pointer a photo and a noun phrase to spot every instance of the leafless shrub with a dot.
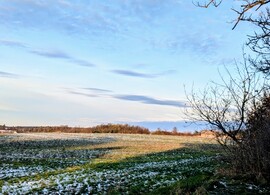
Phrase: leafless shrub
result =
(253, 155)
(238, 110)
(225, 106)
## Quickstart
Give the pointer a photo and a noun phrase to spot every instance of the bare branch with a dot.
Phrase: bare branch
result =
(207, 4)
(245, 7)
(226, 106)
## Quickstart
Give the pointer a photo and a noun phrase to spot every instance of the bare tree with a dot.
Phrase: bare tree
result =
(255, 12)
(226, 105)
(239, 108)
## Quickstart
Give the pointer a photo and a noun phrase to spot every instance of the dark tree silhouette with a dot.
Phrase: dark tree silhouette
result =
(253, 155)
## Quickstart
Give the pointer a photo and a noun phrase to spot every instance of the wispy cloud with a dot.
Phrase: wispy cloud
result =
(67, 16)
(62, 55)
(133, 74)
(95, 18)
(150, 100)
(53, 53)
(11, 43)
(93, 89)
(89, 92)
(81, 62)
(139, 74)
(95, 92)
(83, 94)
(197, 42)
(202, 44)
(8, 75)
(124, 19)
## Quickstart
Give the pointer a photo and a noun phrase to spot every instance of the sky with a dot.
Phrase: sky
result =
(89, 62)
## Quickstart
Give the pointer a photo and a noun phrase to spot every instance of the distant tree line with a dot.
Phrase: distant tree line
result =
(104, 128)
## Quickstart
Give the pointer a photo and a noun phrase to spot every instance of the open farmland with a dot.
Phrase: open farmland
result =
(53, 163)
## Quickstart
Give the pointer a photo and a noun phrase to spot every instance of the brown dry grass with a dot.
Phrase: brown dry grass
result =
(130, 145)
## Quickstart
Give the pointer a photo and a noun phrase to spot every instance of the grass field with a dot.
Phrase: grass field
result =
(58, 163)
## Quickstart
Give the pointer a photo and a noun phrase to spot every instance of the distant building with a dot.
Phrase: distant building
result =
(208, 133)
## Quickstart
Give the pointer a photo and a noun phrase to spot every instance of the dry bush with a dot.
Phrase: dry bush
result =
(252, 156)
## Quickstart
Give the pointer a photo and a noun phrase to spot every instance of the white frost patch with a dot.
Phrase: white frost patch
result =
(151, 174)
(9, 172)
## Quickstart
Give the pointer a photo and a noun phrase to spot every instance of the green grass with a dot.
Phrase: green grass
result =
(121, 164)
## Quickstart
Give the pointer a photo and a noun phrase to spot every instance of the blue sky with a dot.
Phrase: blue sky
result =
(83, 63)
